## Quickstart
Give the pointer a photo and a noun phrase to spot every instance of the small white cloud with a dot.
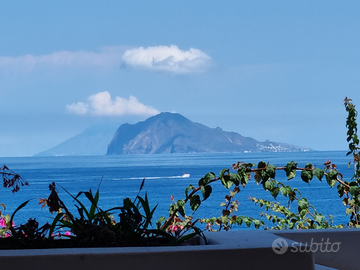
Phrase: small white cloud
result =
(108, 57)
(101, 104)
(166, 58)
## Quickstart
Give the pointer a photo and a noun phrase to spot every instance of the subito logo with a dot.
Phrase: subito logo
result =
(279, 246)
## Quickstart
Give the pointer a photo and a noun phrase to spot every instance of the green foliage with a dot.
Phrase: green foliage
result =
(126, 225)
(281, 217)
(265, 173)
(97, 227)
(229, 218)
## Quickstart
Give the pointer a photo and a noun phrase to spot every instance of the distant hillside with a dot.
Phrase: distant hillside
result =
(92, 141)
(173, 133)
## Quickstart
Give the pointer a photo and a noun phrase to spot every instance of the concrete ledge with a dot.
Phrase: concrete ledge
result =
(243, 249)
(248, 249)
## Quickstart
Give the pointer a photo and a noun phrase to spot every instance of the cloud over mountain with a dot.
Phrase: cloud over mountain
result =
(101, 104)
(166, 58)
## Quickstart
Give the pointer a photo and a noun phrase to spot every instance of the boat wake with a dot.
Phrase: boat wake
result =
(184, 175)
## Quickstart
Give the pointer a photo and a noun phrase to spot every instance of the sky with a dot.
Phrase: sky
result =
(271, 70)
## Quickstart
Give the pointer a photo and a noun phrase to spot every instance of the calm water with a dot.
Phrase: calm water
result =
(121, 177)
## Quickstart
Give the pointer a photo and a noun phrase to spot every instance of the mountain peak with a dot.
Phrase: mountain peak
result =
(163, 133)
(174, 133)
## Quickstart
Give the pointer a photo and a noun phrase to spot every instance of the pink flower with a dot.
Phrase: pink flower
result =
(174, 228)
(2, 222)
(67, 233)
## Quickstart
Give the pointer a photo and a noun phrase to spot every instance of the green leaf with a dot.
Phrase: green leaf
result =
(257, 223)
(303, 213)
(235, 178)
(223, 173)
(307, 175)
(318, 173)
(290, 169)
(239, 220)
(94, 203)
(206, 191)
(206, 179)
(243, 176)
(283, 191)
(275, 192)
(288, 188)
(291, 195)
(262, 173)
(319, 218)
(180, 206)
(159, 222)
(262, 164)
(268, 185)
(257, 177)
(195, 202)
(225, 178)
(55, 221)
(340, 190)
(271, 171)
(148, 213)
(247, 221)
(354, 191)
(190, 187)
(303, 203)
(331, 178)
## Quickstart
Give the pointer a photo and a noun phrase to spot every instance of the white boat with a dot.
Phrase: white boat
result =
(185, 175)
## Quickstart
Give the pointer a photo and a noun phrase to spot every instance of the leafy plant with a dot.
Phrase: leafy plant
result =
(264, 174)
(97, 227)
(281, 217)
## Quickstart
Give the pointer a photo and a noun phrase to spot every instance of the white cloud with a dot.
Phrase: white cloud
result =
(108, 57)
(160, 58)
(164, 58)
(101, 104)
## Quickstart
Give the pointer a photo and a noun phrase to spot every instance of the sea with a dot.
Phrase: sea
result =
(120, 176)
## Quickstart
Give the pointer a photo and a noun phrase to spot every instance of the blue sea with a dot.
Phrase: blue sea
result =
(120, 176)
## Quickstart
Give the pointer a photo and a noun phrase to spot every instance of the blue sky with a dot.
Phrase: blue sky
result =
(276, 70)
